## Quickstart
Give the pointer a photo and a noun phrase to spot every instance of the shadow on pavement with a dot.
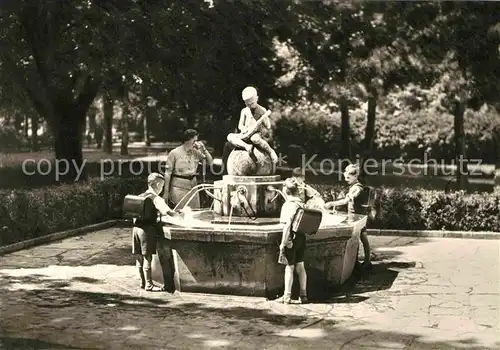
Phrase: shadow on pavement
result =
(40, 299)
(46, 281)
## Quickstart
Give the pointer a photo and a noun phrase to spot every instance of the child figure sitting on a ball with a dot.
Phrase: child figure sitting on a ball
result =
(254, 126)
(308, 195)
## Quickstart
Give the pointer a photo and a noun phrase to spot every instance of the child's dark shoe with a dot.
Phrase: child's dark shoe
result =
(366, 265)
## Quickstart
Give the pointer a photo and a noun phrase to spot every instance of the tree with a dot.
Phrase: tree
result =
(447, 45)
(325, 35)
(354, 56)
(472, 61)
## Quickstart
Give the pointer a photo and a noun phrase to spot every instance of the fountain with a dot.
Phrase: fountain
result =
(232, 247)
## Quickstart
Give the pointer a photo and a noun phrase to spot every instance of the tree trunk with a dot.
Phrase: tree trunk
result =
(108, 104)
(34, 133)
(124, 144)
(190, 117)
(68, 132)
(496, 139)
(370, 123)
(369, 133)
(345, 148)
(92, 123)
(462, 171)
(345, 143)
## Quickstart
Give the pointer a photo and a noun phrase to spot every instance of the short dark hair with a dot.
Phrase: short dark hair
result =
(291, 187)
(189, 134)
(153, 177)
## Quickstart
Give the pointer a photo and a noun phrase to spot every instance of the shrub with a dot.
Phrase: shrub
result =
(30, 177)
(458, 211)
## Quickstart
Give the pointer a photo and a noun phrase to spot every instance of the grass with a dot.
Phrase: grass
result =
(476, 169)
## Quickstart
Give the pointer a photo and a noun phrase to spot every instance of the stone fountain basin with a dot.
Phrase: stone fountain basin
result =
(241, 259)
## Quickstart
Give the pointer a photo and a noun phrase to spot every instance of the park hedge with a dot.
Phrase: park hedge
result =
(27, 214)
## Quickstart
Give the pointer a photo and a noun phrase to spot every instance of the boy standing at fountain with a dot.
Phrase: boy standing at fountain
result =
(354, 201)
(145, 232)
(307, 194)
(293, 245)
(254, 126)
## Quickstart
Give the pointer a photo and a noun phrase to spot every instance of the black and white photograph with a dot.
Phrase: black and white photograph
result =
(249, 174)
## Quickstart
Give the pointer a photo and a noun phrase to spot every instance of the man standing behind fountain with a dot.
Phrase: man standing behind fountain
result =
(181, 170)
(254, 126)
(293, 245)
(145, 232)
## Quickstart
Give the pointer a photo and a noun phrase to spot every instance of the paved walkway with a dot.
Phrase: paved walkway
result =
(81, 294)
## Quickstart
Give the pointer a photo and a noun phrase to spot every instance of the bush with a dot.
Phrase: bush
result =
(30, 177)
(409, 123)
(408, 209)
(458, 211)
(27, 214)
(9, 137)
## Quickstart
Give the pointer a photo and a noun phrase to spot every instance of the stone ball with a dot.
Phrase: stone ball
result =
(241, 163)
